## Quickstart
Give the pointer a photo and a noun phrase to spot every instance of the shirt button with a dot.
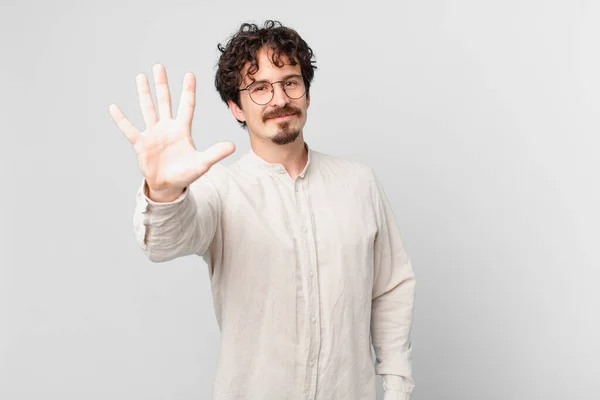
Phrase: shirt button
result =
(314, 320)
(312, 274)
(304, 229)
(296, 188)
(311, 363)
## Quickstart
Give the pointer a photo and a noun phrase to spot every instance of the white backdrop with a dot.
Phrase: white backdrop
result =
(481, 118)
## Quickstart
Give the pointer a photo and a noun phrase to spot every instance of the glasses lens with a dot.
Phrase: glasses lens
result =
(261, 92)
(294, 87)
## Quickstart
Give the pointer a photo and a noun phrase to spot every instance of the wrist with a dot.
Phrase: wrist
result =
(162, 196)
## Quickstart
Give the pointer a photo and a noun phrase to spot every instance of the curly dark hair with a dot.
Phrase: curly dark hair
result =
(243, 47)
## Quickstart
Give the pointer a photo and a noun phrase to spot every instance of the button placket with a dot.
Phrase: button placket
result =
(305, 230)
(313, 289)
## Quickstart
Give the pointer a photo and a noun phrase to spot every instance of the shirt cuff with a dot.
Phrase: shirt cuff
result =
(395, 395)
(396, 383)
(397, 387)
(147, 209)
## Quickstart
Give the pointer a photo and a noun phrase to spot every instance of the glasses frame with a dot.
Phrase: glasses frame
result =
(273, 89)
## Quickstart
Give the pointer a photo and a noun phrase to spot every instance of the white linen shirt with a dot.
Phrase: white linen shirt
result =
(304, 272)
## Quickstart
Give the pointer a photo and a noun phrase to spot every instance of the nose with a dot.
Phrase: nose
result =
(280, 99)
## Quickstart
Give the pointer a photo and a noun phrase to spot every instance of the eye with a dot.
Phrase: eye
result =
(291, 83)
(261, 87)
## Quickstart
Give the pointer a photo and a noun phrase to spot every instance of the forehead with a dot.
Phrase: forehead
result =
(267, 70)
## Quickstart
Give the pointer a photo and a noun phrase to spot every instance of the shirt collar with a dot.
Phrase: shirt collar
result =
(277, 168)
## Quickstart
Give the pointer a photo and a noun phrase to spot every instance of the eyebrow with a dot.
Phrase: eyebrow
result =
(282, 79)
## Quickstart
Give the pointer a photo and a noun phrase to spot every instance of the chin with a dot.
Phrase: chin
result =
(286, 135)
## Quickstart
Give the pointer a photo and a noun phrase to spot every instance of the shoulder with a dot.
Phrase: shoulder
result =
(349, 170)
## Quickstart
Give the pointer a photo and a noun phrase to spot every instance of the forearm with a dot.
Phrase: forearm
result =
(391, 326)
(167, 230)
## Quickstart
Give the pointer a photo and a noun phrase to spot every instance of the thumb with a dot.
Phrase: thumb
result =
(217, 152)
(207, 158)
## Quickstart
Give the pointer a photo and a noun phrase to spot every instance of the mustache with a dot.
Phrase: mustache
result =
(280, 112)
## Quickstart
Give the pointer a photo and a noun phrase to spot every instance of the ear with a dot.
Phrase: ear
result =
(307, 99)
(237, 112)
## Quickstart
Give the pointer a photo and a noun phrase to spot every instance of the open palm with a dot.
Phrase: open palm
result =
(166, 153)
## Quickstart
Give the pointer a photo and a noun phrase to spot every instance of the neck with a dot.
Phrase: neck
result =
(293, 156)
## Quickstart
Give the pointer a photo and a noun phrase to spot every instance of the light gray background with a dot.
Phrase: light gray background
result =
(480, 117)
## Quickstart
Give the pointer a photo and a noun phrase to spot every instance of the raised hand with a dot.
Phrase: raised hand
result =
(166, 153)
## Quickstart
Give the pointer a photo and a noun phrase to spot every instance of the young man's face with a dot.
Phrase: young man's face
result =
(280, 120)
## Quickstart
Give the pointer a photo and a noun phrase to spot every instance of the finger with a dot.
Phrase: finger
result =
(185, 112)
(145, 99)
(163, 97)
(128, 129)
(217, 152)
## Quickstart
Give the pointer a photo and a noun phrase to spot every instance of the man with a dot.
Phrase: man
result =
(305, 258)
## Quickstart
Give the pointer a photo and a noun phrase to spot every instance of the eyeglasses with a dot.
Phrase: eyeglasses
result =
(262, 92)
